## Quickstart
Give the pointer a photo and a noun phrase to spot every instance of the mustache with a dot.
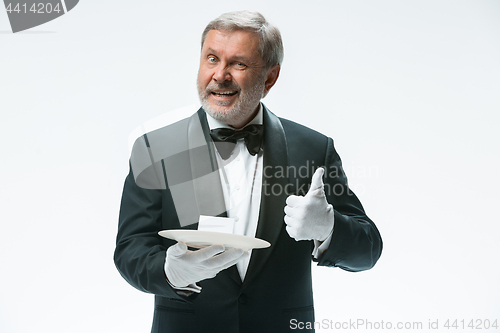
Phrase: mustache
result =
(223, 85)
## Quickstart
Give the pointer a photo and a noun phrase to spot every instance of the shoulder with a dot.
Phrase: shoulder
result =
(296, 129)
(303, 137)
(156, 147)
(300, 137)
(168, 125)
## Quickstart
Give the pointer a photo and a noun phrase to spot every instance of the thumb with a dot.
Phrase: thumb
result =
(317, 181)
(177, 250)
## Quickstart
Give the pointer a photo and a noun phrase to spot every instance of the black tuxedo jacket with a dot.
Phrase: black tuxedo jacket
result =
(277, 287)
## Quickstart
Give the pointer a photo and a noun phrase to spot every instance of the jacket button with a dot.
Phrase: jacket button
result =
(243, 298)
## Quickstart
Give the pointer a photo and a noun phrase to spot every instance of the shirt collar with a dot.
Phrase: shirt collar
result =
(257, 120)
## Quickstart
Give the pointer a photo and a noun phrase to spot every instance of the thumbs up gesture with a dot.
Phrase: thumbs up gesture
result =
(310, 217)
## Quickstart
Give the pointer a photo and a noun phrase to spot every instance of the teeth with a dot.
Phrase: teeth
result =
(225, 93)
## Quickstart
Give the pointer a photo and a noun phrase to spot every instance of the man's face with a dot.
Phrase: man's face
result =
(231, 78)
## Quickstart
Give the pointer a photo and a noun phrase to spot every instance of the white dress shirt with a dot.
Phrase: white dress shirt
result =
(241, 177)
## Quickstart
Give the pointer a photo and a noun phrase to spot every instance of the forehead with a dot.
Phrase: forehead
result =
(232, 43)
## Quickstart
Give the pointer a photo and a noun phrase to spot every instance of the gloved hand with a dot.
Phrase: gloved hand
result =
(184, 268)
(310, 217)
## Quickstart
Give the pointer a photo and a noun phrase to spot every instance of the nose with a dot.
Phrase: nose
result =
(222, 74)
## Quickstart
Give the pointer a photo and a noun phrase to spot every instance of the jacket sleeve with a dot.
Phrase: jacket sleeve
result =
(140, 252)
(356, 244)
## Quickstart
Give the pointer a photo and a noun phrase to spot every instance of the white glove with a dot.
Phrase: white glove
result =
(310, 217)
(184, 268)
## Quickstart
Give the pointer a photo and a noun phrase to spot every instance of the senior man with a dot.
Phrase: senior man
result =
(276, 180)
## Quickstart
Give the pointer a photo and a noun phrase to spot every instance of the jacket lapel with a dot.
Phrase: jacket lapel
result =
(206, 178)
(191, 171)
(205, 172)
(273, 192)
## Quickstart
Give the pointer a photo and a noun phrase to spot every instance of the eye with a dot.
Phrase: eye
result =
(212, 59)
(241, 65)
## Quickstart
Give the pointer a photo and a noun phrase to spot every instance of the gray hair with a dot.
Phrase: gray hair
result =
(270, 44)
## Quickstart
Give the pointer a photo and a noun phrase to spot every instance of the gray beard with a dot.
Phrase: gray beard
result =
(244, 108)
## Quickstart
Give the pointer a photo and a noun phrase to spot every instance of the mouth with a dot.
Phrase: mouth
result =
(228, 93)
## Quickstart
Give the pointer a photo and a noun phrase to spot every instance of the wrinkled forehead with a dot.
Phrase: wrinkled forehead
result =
(234, 42)
(249, 40)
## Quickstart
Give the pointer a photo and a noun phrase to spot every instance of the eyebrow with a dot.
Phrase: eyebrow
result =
(237, 57)
(210, 50)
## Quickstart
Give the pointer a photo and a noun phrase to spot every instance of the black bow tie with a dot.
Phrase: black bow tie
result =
(225, 139)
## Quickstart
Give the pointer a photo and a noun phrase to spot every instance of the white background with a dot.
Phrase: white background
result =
(409, 90)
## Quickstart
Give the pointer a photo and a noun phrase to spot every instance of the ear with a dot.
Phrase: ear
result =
(271, 78)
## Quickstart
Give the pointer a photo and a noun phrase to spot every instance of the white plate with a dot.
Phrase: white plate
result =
(199, 239)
